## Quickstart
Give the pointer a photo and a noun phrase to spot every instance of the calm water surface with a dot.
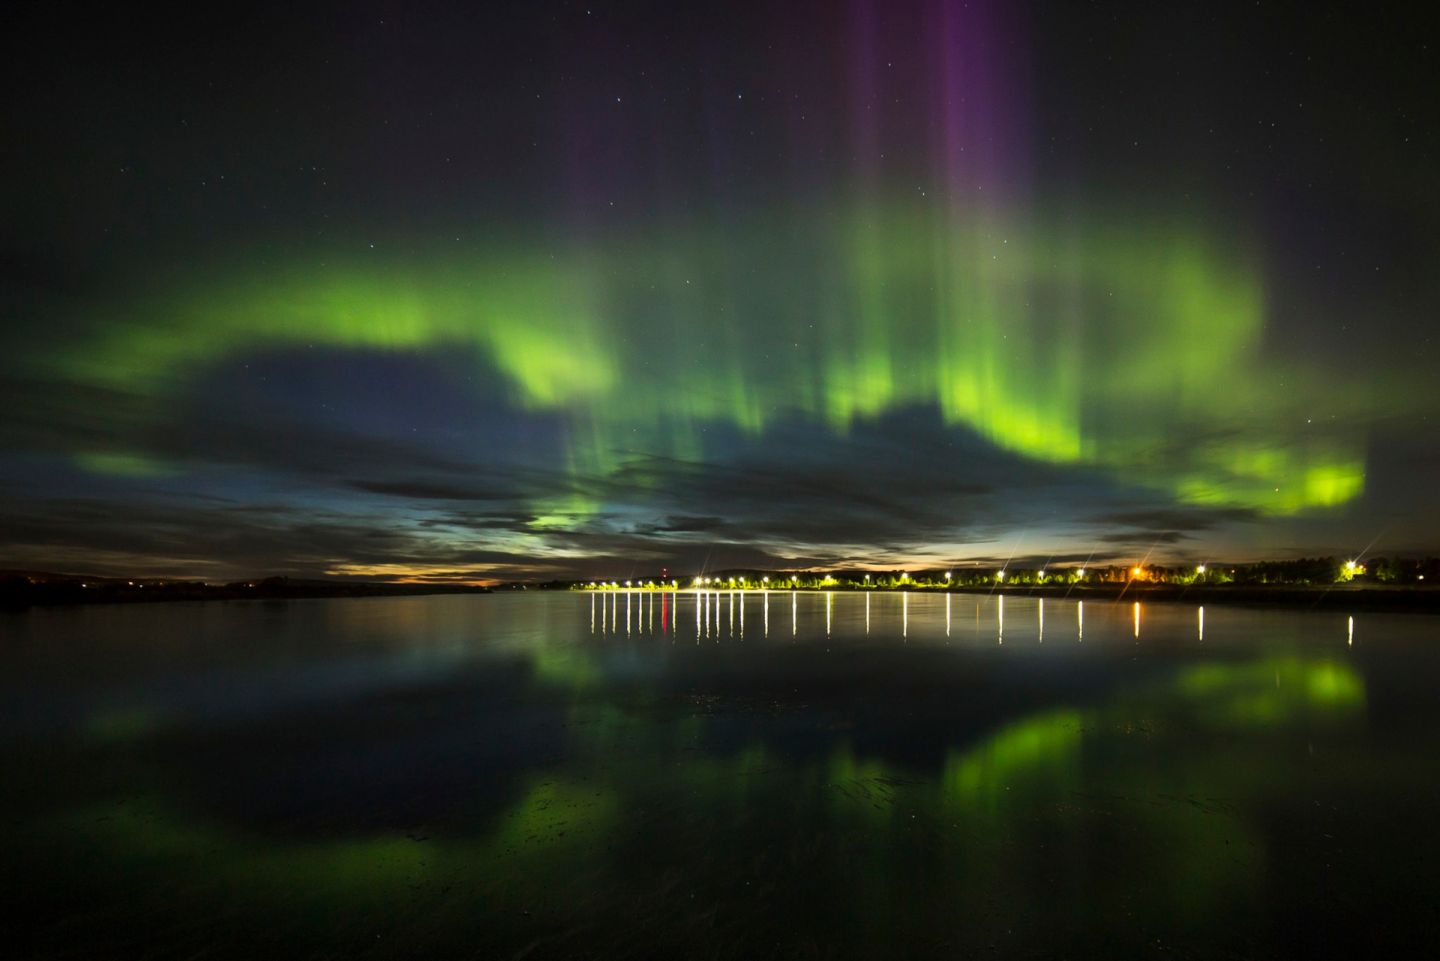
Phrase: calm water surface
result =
(801, 775)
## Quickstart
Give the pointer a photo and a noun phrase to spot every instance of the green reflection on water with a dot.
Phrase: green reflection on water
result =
(1270, 692)
(1044, 748)
(553, 823)
(1136, 805)
(122, 725)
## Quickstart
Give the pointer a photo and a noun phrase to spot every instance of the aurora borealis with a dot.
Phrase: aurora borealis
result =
(584, 289)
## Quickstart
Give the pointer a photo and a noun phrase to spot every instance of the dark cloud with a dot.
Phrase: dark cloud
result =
(427, 490)
(689, 525)
(898, 490)
(1175, 519)
(1142, 538)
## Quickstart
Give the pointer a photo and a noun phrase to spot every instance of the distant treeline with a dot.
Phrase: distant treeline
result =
(20, 590)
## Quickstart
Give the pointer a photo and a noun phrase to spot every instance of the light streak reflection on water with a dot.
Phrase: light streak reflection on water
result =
(842, 614)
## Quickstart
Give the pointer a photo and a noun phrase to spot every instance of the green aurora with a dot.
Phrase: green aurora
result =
(1084, 343)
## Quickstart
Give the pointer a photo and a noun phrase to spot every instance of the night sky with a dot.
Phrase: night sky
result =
(473, 292)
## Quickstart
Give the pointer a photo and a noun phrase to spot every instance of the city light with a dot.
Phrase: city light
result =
(1197, 575)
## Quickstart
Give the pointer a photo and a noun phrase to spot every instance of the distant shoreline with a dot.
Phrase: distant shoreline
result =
(1331, 597)
(19, 594)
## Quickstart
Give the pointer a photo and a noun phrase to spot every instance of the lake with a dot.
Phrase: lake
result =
(774, 775)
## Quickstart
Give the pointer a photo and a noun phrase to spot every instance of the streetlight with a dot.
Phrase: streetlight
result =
(1199, 568)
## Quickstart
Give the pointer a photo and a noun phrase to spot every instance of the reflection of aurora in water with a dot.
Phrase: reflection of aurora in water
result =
(890, 832)
(486, 771)
(1077, 345)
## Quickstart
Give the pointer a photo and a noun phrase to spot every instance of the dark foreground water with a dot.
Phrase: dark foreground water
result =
(559, 776)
